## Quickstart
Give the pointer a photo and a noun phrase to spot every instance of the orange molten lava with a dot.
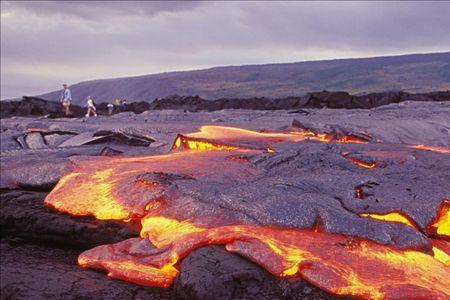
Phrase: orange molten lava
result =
(138, 188)
(200, 144)
(244, 136)
(338, 264)
(350, 139)
(441, 224)
(36, 130)
(326, 138)
(358, 192)
(227, 134)
(367, 165)
(431, 148)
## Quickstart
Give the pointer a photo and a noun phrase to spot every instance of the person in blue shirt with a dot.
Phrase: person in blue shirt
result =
(66, 97)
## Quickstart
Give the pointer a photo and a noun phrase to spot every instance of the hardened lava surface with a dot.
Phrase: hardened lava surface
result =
(334, 208)
(331, 204)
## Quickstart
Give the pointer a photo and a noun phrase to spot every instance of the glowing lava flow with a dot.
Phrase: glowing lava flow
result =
(227, 134)
(397, 217)
(326, 138)
(338, 264)
(189, 143)
(367, 165)
(441, 224)
(431, 148)
(142, 180)
(140, 187)
(441, 251)
(244, 136)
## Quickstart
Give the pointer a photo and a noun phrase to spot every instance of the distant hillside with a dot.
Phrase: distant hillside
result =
(412, 73)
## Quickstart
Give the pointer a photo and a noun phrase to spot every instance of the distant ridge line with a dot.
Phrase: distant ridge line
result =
(411, 73)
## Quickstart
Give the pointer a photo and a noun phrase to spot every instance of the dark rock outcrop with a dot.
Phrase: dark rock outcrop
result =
(107, 151)
(24, 215)
(35, 106)
(41, 175)
(52, 139)
(213, 273)
(310, 100)
(136, 107)
(39, 169)
(120, 138)
(39, 272)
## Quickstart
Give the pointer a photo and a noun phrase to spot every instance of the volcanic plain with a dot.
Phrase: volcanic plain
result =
(228, 204)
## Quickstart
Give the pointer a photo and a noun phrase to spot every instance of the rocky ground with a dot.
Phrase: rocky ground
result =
(40, 245)
(33, 106)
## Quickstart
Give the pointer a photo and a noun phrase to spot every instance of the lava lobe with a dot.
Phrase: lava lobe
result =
(293, 210)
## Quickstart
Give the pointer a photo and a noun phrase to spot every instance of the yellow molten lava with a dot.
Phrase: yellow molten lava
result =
(366, 165)
(441, 224)
(105, 206)
(397, 217)
(199, 145)
(441, 251)
(163, 231)
(441, 256)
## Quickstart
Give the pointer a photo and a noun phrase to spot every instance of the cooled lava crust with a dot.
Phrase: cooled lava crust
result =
(349, 215)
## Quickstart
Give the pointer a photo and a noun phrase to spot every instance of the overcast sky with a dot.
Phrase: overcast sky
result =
(46, 43)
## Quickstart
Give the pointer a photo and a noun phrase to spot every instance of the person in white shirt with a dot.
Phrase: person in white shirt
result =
(91, 107)
(110, 107)
(66, 97)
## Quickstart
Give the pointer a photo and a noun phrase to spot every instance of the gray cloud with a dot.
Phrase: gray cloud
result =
(44, 43)
(98, 9)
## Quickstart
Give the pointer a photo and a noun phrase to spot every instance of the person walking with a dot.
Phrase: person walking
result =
(123, 104)
(110, 107)
(91, 107)
(66, 97)
(117, 104)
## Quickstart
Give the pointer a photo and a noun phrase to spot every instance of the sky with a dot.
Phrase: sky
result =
(46, 43)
